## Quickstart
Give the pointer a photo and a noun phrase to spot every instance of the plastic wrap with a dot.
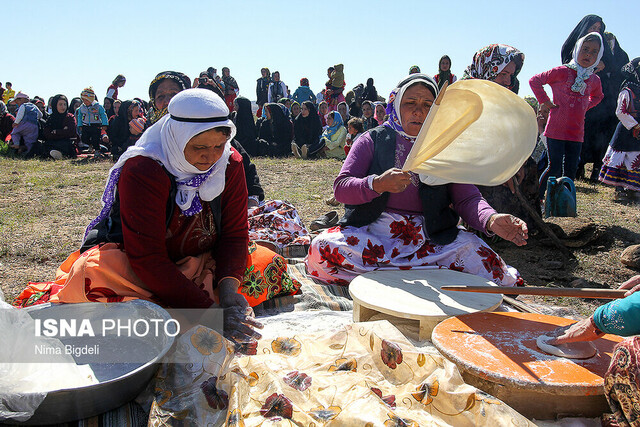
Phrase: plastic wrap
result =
(24, 386)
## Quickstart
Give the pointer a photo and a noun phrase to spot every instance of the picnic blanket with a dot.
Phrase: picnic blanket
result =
(361, 374)
(313, 366)
(312, 296)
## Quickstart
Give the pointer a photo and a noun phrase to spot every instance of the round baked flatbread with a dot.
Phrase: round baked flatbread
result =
(574, 350)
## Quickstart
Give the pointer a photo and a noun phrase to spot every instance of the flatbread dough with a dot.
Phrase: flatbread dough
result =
(574, 350)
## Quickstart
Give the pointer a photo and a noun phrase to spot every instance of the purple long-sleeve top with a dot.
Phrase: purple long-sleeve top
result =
(352, 187)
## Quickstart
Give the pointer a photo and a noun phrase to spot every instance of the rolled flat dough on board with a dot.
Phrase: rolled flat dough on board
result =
(574, 350)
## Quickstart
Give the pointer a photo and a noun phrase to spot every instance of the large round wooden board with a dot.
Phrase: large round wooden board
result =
(416, 295)
(497, 352)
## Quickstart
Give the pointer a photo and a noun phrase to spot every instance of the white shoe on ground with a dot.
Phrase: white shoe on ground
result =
(55, 154)
(295, 150)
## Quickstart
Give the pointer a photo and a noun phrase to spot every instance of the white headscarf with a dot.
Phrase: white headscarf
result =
(191, 112)
(394, 121)
(579, 84)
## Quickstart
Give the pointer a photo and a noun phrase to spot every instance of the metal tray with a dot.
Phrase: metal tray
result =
(118, 383)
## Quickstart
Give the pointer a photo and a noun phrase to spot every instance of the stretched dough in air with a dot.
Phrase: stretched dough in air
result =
(481, 133)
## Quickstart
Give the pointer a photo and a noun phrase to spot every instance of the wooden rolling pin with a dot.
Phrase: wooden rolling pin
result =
(541, 290)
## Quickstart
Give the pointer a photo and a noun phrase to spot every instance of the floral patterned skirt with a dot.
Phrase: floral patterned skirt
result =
(622, 382)
(621, 168)
(278, 222)
(397, 241)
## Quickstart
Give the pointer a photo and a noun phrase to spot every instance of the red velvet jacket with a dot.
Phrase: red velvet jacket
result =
(153, 248)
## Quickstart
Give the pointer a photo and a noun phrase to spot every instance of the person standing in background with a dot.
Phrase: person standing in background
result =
(231, 88)
(118, 82)
(92, 121)
(444, 72)
(277, 89)
(262, 89)
(8, 93)
(600, 121)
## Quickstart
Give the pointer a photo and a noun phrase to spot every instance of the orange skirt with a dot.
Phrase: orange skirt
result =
(103, 274)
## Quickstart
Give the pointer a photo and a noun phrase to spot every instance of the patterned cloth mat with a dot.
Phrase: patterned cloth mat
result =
(312, 296)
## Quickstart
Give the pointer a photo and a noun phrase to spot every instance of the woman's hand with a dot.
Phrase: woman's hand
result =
(239, 325)
(584, 330)
(239, 318)
(392, 181)
(229, 296)
(509, 228)
(632, 284)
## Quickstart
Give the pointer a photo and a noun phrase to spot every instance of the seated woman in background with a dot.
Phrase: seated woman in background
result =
(121, 134)
(307, 130)
(370, 93)
(343, 109)
(60, 131)
(380, 113)
(394, 221)
(275, 133)
(243, 119)
(334, 136)
(74, 105)
(107, 104)
(368, 121)
(6, 123)
(295, 110)
(323, 109)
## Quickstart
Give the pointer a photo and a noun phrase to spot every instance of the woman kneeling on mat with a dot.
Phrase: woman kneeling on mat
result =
(393, 221)
(173, 228)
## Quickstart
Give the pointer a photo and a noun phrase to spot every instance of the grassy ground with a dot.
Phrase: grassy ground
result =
(45, 206)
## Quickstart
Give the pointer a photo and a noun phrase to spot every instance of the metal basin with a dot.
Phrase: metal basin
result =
(118, 382)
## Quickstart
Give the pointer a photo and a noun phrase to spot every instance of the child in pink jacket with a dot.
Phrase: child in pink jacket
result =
(576, 88)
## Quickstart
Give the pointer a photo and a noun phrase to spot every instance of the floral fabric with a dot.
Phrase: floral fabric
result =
(489, 61)
(365, 374)
(397, 241)
(266, 276)
(278, 222)
(621, 169)
(622, 382)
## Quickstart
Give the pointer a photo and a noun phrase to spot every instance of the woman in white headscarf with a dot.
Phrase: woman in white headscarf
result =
(173, 228)
(394, 221)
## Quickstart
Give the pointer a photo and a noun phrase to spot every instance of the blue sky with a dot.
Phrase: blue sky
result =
(64, 47)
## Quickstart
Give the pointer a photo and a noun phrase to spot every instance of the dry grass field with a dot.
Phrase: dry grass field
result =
(45, 206)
